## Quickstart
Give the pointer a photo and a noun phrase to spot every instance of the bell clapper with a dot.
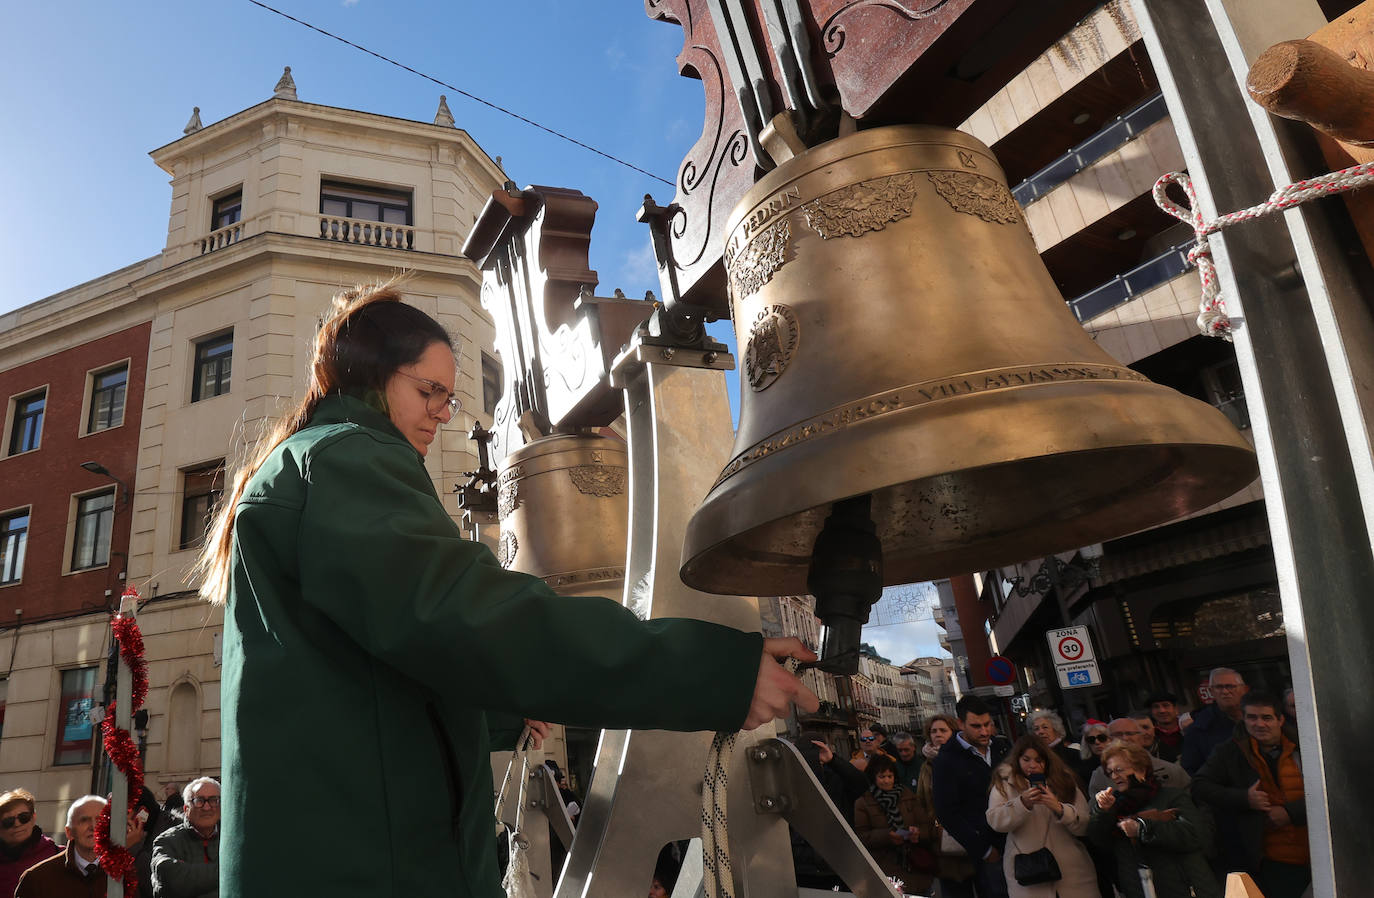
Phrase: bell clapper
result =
(846, 577)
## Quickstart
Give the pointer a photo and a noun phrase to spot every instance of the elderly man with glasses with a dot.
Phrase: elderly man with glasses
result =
(186, 857)
(1214, 725)
(1128, 730)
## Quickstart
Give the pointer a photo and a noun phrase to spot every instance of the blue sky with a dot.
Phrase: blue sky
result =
(93, 87)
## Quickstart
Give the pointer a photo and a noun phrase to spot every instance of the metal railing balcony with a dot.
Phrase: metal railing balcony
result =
(1119, 131)
(1127, 286)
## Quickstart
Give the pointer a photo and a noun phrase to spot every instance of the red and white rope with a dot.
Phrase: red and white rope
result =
(1212, 319)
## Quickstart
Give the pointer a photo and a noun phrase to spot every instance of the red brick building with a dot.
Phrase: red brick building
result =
(64, 530)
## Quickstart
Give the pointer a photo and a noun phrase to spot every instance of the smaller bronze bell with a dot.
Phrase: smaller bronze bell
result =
(901, 340)
(564, 511)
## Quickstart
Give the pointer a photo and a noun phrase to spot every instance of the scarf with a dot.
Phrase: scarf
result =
(888, 801)
(1134, 797)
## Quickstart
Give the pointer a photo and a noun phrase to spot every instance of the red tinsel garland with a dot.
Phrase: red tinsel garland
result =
(116, 860)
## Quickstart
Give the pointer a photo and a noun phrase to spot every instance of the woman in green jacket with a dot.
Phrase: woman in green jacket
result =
(370, 650)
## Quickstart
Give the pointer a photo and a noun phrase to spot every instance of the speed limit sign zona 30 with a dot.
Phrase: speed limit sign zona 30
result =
(1070, 645)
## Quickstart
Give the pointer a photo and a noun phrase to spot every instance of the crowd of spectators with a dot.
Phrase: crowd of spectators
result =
(175, 844)
(1153, 803)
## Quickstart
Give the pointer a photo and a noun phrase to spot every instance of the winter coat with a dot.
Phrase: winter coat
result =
(1209, 729)
(1222, 785)
(14, 861)
(841, 780)
(956, 867)
(368, 651)
(1030, 829)
(185, 864)
(1172, 849)
(59, 877)
(960, 788)
(872, 828)
(909, 772)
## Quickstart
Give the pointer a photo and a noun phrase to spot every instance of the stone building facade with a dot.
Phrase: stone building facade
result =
(273, 210)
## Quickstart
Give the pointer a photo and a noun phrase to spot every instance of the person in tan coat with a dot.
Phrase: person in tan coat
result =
(1036, 801)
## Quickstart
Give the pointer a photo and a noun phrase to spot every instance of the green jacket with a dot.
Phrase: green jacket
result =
(1174, 850)
(365, 643)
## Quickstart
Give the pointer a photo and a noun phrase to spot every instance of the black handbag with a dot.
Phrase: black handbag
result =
(1036, 867)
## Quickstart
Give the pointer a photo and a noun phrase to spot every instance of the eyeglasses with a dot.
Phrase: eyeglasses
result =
(867, 738)
(1100, 737)
(1119, 771)
(205, 801)
(436, 396)
(14, 820)
(1226, 687)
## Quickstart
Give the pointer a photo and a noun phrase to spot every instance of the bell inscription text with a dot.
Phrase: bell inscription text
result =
(918, 395)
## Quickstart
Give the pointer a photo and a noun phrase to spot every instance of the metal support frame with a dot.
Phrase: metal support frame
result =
(1304, 339)
(783, 784)
(646, 790)
(543, 810)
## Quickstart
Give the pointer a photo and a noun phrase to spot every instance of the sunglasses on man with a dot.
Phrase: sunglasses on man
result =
(14, 820)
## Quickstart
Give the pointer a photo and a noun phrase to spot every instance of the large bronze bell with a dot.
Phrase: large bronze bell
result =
(564, 512)
(901, 339)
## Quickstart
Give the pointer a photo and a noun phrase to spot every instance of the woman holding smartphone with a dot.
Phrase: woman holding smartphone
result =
(1036, 801)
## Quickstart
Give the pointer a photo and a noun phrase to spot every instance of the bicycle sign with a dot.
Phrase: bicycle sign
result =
(1074, 676)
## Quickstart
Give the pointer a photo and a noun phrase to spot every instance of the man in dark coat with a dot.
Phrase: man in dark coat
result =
(74, 873)
(1215, 723)
(961, 775)
(843, 784)
(1253, 784)
(1168, 734)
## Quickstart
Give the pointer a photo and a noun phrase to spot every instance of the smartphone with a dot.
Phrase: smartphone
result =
(1037, 780)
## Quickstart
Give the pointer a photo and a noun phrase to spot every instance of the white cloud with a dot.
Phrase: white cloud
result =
(899, 643)
(350, 2)
(638, 270)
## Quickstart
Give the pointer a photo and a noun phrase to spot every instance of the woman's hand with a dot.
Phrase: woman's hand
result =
(1105, 799)
(930, 750)
(539, 731)
(1030, 798)
(826, 755)
(1130, 826)
(776, 689)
